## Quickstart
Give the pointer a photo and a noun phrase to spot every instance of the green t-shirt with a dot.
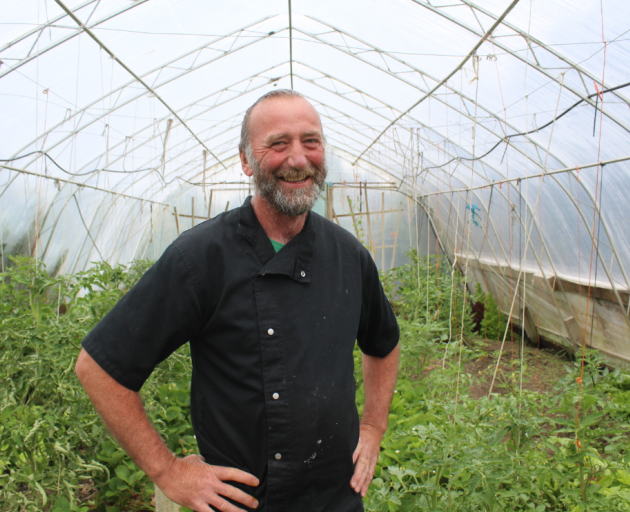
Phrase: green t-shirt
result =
(276, 245)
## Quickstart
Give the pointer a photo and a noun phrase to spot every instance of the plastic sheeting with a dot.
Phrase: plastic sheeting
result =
(113, 120)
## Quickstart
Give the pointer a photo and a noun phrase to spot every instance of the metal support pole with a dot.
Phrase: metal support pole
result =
(291, 44)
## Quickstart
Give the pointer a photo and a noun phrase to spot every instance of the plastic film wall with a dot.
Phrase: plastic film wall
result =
(493, 132)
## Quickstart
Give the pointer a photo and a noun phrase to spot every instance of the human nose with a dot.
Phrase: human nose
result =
(297, 158)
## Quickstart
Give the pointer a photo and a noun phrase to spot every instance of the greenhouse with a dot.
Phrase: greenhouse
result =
(480, 145)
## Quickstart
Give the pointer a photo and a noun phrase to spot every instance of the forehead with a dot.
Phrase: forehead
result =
(292, 116)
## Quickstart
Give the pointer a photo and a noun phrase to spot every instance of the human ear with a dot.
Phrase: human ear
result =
(247, 169)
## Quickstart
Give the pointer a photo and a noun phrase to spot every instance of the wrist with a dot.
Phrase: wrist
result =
(162, 467)
(373, 428)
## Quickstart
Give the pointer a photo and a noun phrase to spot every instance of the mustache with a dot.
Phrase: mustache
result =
(297, 174)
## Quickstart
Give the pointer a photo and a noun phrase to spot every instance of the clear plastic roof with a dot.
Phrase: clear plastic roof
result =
(490, 115)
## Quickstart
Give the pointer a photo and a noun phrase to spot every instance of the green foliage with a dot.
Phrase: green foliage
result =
(443, 451)
(429, 291)
(479, 295)
(493, 324)
(51, 440)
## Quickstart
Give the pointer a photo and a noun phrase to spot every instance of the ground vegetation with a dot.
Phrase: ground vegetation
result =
(551, 435)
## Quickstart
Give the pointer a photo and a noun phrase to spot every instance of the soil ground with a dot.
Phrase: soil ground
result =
(543, 367)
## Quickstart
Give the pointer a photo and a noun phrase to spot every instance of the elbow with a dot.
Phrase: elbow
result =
(81, 368)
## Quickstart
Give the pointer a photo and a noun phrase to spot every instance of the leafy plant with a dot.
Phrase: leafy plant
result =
(563, 450)
(567, 449)
(52, 443)
(493, 324)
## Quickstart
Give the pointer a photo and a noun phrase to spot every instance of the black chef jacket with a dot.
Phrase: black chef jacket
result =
(271, 338)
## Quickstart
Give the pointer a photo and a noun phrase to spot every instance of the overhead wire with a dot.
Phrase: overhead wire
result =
(44, 153)
(87, 228)
(80, 185)
(506, 138)
(598, 186)
(524, 256)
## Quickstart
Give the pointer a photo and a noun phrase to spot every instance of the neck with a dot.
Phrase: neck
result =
(277, 226)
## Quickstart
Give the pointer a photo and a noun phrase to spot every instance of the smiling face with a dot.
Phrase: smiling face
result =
(286, 154)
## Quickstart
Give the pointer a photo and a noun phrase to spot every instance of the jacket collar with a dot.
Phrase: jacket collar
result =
(294, 260)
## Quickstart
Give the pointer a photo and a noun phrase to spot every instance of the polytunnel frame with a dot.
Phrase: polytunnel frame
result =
(495, 230)
(328, 107)
(398, 77)
(524, 227)
(596, 207)
(535, 223)
(528, 39)
(501, 122)
(484, 36)
(146, 92)
(320, 102)
(62, 40)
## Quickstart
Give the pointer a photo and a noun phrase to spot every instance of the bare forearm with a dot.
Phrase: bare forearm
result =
(190, 481)
(379, 381)
(124, 415)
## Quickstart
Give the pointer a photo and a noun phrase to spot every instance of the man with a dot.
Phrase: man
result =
(272, 299)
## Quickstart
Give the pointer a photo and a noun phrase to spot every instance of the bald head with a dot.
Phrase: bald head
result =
(245, 145)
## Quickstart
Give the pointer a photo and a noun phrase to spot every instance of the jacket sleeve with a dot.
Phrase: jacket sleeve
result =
(378, 328)
(157, 316)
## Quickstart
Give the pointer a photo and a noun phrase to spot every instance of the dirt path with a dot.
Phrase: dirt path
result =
(543, 367)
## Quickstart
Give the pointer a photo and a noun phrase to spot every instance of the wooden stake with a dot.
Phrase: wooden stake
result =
(210, 203)
(176, 219)
(383, 230)
(227, 206)
(329, 202)
(396, 237)
(163, 504)
(335, 217)
(369, 222)
(354, 220)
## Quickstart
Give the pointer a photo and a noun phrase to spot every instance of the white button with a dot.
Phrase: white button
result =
(270, 332)
(275, 396)
(303, 274)
(278, 456)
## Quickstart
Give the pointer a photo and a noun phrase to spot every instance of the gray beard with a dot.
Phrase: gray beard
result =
(293, 203)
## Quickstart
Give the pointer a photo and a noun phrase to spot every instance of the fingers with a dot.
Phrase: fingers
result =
(365, 458)
(218, 501)
(195, 484)
(224, 506)
(357, 450)
(362, 477)
(235, 494)
(366, 473)
(235, 475)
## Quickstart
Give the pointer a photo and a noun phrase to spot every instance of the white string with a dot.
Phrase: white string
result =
(472, 174)
(527, 243)
(450, 313)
